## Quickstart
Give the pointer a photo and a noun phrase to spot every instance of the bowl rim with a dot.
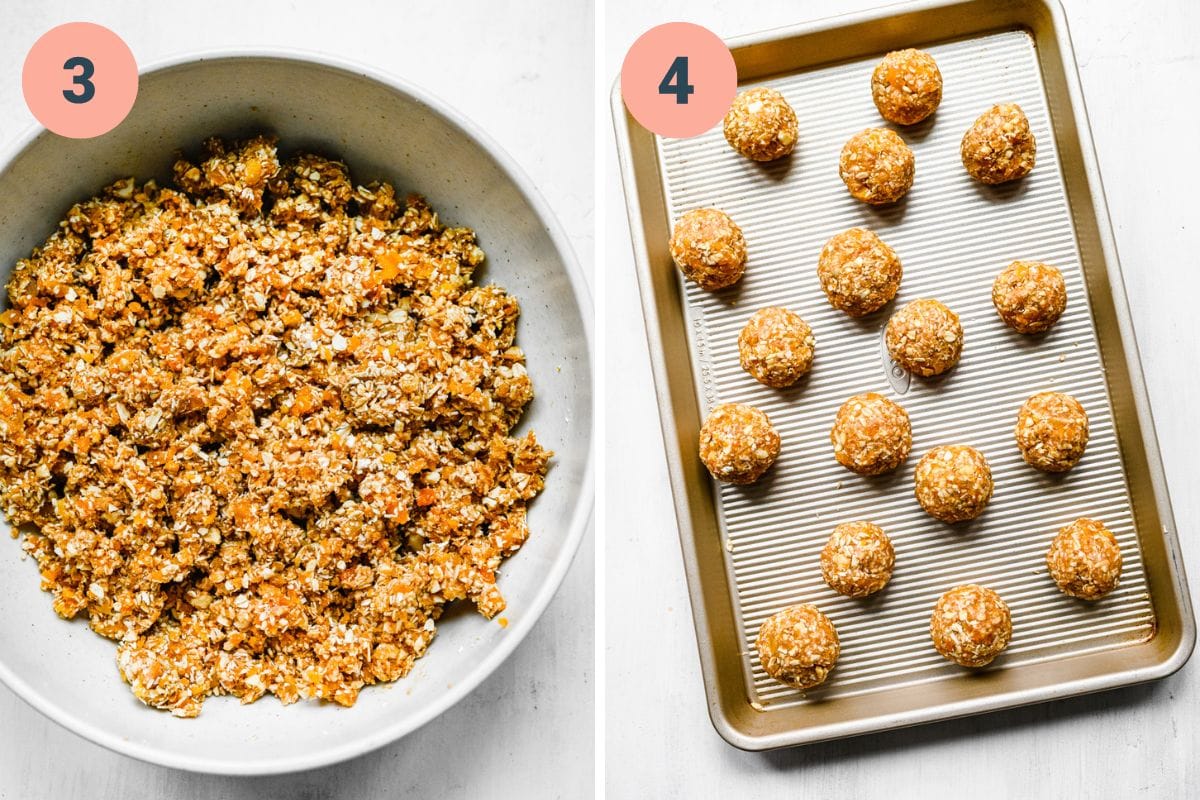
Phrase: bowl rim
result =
(580, 517)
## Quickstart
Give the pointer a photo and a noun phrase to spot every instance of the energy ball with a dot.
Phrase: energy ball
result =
(738, 443)
(970, 625)
(1085, 560)
(953, 483)
(708, 247)
(871, 435)
(798, 646)
(906, 86)
(1029, 296)
(877, 166)
(925, 338)
(1052, 431)
(859, 272)
(761, 125)
(999, 147)
(857, 560)
(776, 347)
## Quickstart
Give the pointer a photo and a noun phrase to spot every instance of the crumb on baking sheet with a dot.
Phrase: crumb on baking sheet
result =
(257, 427)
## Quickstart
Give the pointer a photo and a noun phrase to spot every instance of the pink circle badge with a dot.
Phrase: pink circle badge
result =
(80, 80)
(678, 79)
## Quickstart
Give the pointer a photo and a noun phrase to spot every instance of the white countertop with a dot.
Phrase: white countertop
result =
(1141, 78)
(501, 68)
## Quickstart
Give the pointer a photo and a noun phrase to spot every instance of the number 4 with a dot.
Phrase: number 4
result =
(679, 74)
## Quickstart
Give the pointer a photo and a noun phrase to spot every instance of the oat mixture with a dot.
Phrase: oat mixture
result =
(1029, 296)
(925, 337)
(953, 483)
(859, 272)
(1052, 431)
(871, 434)
(738, 443)
(906, 86)
(857, 560)
(776, 347)
(970, 625)
(798, 646)
(761, 125)
(708, 247)
(1085, 560)
(877, 166)
(256, 428)
(999, 147)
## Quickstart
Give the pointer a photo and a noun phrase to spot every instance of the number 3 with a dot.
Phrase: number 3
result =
(679, 74)
(87, 89)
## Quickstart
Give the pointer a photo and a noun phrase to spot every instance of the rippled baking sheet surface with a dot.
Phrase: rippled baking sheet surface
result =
(953, 236)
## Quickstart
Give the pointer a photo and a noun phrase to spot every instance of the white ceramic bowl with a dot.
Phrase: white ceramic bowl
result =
(382, 128)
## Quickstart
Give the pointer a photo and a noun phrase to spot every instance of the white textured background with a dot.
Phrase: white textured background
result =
(528, 730)
(1141, 77)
